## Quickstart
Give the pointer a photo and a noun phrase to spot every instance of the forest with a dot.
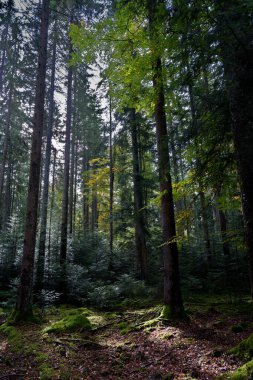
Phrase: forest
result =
(126, 189)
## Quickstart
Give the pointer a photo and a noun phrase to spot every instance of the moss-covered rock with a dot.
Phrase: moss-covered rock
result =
(243, 373)
(244, 350)
(72, 322)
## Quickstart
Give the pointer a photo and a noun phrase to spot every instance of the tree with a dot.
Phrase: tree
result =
(24, 296)
(44, 200)
(65, 196)
(172, 290)
(235, 37)
(139, 218)
(155, 11)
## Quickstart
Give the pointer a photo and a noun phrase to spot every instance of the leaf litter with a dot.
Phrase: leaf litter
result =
(127, 346)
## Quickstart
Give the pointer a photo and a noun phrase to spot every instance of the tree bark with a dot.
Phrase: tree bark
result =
(65, 195)
(52, 202)
(111, 179)
(6, 144)
(5, 47)
(72, 160)
(235, 33)
(85, 204)
(140, 225)
(208, 255)
(44, 201)
(172, 289)
(24, 296)
(208, 250)
(7, 196)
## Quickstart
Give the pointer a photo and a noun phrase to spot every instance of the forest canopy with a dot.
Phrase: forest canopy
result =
(126, 189)
(126, 152)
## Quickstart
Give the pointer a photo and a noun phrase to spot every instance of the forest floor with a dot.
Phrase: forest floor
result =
(130, 344)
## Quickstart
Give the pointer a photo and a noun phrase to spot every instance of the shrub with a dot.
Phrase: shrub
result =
(105, 296)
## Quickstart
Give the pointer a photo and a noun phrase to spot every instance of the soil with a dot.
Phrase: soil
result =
(131, 344)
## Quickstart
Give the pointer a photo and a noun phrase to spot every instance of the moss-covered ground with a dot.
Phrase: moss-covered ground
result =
(79, 343)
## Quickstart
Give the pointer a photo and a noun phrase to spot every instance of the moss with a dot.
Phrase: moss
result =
(32, 348)
(18, 316)
(110, 315)
(169, 314)
(243, 373)
(152, 323)
(40, 356)
(66, 311)
(124, 327)
(244, 349)
(167, 336)
(71, 322)
(65, 373)
(13, 336)
(46, 372)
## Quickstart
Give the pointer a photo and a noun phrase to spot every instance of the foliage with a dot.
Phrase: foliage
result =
(104, 296)
(125, 291)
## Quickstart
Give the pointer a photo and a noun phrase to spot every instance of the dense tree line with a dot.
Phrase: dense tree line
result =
(125, 150)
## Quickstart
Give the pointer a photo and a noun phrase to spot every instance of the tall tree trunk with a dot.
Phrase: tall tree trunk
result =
(24, 296)
(237, 54)
(85, 204)
(52, 203)
(222, 224)
(4, 38)
(72, 160)
(208, 250)
(179, 205)
(44, 201)
(223, 229)
(111, 179)
(65, 195)
(75, 189)
(6, 144)
(172, 289)
(65, 191)
(7, 196)
(208, 255)
(71, 187)
(140, 224)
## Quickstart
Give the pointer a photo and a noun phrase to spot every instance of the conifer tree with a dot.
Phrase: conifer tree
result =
(24, 296)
